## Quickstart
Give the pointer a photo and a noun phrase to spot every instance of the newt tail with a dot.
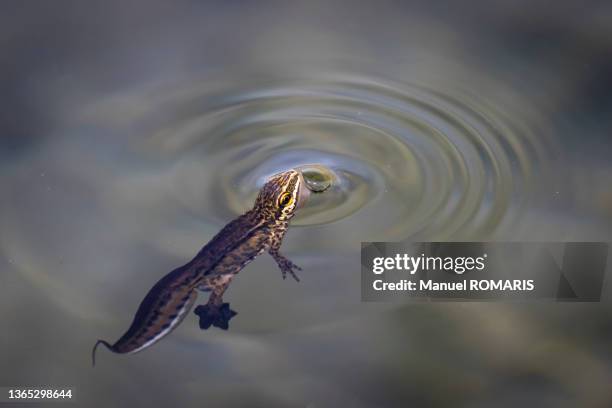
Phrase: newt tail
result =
(95, 347)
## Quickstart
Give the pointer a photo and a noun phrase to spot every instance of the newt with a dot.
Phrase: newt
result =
(258, 230)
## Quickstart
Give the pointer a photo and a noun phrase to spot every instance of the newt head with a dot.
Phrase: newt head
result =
(282, 195)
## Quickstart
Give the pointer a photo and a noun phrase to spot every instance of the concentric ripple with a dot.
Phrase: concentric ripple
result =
(407, 160)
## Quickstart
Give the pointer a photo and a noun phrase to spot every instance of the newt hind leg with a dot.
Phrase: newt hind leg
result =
(213, 315)
(215, 312)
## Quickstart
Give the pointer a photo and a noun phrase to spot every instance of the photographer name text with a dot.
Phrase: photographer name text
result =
(457, 265)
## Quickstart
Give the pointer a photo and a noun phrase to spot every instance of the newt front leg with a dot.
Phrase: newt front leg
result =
(285, 265)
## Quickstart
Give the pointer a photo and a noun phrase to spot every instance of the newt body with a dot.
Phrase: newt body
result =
(258, 230)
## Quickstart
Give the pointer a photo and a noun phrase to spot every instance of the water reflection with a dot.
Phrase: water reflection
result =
(438, 162)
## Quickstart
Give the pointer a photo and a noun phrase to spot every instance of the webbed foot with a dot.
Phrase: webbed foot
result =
(217, 316)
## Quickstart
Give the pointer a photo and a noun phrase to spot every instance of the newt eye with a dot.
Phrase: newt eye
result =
(285, 199)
